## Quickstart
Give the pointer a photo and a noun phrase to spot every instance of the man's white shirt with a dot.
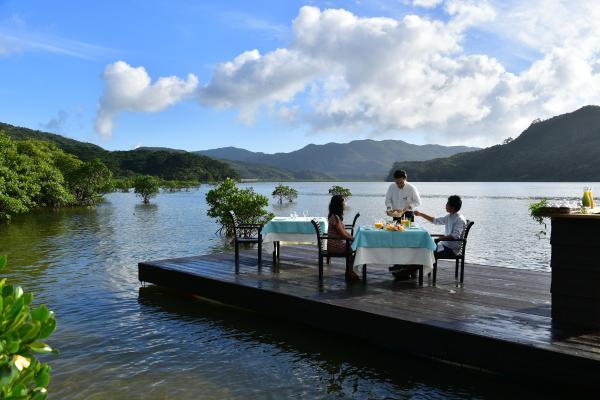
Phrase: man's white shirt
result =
(397, 198)
(455, 224)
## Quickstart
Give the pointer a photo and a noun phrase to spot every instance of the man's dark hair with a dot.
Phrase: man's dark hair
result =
(455, 202)
(400, 173)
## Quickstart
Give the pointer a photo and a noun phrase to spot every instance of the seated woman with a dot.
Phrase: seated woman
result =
(337, 234)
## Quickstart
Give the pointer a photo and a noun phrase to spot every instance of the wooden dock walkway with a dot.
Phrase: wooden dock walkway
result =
(500, 321)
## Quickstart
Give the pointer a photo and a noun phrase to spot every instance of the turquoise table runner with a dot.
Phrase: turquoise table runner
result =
(293, 225)
(371, 237)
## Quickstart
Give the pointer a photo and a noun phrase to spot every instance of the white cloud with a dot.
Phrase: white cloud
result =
(130, 89)
(427, 3)
(386, 76)
(252, 79)
(343, 72)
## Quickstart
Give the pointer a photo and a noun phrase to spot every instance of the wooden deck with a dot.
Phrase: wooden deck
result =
(499, 321)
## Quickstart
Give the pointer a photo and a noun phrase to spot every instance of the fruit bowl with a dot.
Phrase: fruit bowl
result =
(392, 227)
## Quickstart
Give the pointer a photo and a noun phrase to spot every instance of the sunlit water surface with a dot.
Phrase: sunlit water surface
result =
(118, 341)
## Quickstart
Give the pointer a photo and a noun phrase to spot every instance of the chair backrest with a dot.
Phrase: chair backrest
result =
(233, 222)
(464, 235)
(318, 231)
(354, 223)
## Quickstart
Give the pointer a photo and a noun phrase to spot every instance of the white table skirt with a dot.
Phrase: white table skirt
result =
(395, 255)
(290, 237)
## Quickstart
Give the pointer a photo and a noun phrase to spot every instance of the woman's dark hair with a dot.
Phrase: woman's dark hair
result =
(336, 206)
(455, 202)
(399, 173)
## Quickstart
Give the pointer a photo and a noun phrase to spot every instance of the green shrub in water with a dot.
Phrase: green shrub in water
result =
(342, 191)
(22, 375)
(282, 192)
(250, 207)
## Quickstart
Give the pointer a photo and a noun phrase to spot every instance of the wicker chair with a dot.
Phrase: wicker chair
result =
(460, 257)
(323, 253)
(240, 236)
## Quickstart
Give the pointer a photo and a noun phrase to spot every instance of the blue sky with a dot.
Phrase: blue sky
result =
(478, 79)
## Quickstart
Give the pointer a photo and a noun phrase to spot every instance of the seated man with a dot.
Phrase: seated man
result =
(454, 226)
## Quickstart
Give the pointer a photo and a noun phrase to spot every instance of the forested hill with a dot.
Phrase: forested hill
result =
(164, 164)
(562, 148)
(357, 160)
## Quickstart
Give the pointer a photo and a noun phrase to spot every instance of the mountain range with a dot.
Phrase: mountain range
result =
(562, 148)
(358, 160)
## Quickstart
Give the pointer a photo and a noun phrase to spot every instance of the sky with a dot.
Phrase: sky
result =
(274, 76)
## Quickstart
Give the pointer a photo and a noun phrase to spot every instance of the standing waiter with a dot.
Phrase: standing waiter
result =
(402, 196)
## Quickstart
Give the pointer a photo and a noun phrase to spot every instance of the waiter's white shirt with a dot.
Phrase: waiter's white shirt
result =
(397, 198)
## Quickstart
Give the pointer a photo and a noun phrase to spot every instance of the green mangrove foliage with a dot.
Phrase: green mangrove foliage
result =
(89, 182)
(344, 192)
(22, 375)
(122, 184)
(176, 185)
(249, 206)
(37, 174)
(146, 186)
(282, 192)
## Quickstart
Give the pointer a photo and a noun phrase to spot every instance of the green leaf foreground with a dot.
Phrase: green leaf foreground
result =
(22, 375)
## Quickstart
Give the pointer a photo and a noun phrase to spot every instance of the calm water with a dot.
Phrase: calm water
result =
(122, 342)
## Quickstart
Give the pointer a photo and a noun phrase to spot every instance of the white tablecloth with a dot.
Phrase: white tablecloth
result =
(395, 255)
(290, 237)
(298, 230)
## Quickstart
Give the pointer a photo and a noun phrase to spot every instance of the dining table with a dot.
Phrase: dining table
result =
(293, 229)
(413, 246)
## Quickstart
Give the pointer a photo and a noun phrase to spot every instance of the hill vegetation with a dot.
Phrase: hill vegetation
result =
(562, 148)
(162, 163)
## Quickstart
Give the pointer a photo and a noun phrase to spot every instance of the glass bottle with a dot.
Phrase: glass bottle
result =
(586, 200)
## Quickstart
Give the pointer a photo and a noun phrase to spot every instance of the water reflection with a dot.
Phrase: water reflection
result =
(333, 367)
(283, 207)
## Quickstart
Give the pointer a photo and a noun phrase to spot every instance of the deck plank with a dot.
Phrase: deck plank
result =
(499, 320)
